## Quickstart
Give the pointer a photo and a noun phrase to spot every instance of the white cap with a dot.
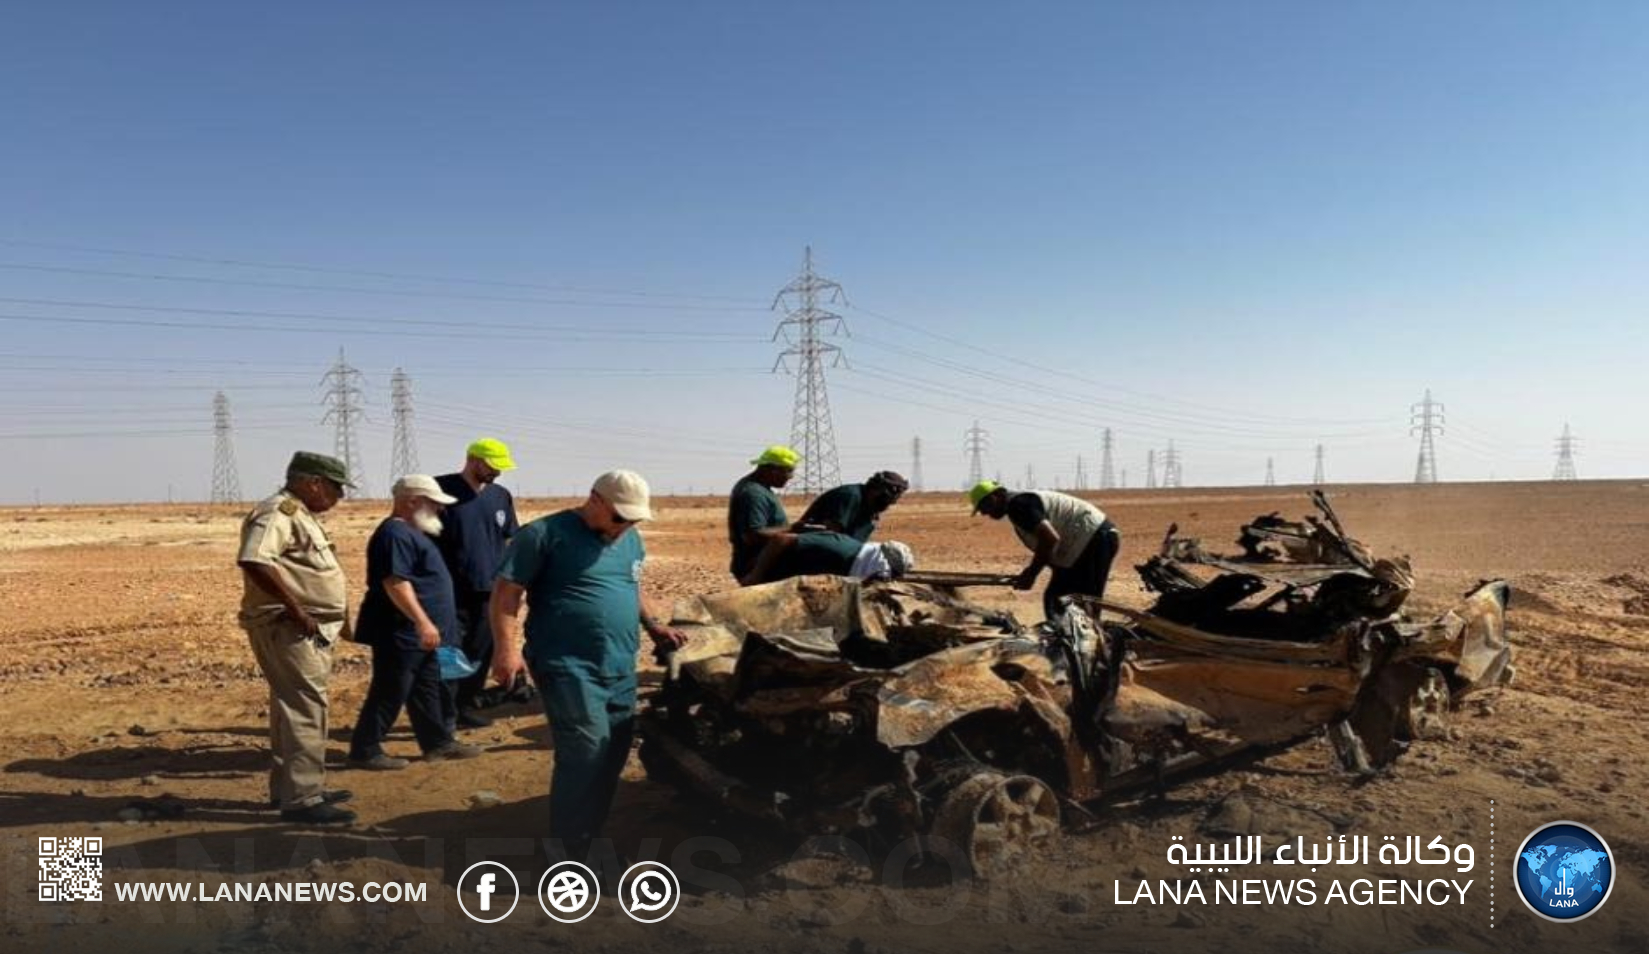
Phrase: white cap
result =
(422, 485)
(627, 492)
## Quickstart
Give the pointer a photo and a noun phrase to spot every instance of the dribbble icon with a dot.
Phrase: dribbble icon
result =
(648, 892)
(569, 891)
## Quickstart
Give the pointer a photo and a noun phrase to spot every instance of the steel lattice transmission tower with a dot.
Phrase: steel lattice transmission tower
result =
(1107, 466)
(916, 464)
(225, 474)
(1270, 473)
(1426, 420)
(1150, 469)
(974, 444)
(1566, 446)
(803, 329)
(343, 400)
(1081, 473)
(403, 454)
(1317, 471)
(1171, 476)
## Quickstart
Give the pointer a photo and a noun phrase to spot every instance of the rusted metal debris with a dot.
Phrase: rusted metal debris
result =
(953, 579)
(827, 705)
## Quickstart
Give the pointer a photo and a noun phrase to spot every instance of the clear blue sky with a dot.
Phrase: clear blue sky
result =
(1248, 228)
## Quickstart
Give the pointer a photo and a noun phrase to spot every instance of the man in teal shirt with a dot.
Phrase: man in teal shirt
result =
(579, 574)
(854, 509)
(755, 514)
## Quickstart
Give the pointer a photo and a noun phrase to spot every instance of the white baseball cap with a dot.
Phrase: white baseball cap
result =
(422, 485)
(627, 492)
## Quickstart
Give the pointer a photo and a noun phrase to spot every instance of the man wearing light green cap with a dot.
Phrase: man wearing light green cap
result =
(474, 532)
(755, 515)
(293, 609)
(1067, 533)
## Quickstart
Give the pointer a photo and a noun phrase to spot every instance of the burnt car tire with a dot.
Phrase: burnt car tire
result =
(996, 821)
(1425, 712)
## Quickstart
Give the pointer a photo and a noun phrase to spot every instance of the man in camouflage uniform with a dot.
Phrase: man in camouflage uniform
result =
(293, 610)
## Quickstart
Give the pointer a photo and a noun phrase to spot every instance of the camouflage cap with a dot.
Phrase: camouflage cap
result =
(311, 464)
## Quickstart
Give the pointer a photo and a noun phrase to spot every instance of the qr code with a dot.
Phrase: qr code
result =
(71, 869)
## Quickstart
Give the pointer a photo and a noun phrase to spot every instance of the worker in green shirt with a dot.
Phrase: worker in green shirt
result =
(830, 553)
(755, 514)
(854, 509)
(578, 573)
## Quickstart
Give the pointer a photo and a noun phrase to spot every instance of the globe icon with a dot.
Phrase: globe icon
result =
(1564, 871)
(567, 892)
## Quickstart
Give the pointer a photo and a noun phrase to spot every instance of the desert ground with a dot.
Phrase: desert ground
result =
(124, 681)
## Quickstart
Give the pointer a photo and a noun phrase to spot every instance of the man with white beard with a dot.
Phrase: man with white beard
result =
(407, 614)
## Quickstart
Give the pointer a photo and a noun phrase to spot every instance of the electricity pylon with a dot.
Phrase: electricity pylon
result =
(344, 399)
(974, 443)
(1107, 470)
(803, 329)
(225, 474)
(1566, 446)
(1171, 476)
(403, 455)
(1426, 420)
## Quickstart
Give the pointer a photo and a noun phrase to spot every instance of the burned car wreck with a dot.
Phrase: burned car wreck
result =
(830, 706)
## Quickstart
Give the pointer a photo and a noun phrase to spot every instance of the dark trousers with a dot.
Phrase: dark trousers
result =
(1087, 576)
(475, 639)
(592, 722)
(401, 677)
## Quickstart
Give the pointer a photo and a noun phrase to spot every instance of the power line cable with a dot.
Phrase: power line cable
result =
(1163, 428)
(366, 273)
(631, 338)
(1202, 420)
(391, 320)
(358, 290)
(1044, 369)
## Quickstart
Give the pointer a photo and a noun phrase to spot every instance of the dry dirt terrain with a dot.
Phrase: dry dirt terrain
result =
(124, 681)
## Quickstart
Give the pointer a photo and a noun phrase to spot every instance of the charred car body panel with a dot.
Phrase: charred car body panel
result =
(827, 705)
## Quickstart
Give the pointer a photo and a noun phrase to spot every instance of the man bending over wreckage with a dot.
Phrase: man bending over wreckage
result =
(831, 553)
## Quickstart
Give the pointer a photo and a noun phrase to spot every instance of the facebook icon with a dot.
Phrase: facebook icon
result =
(485, 879)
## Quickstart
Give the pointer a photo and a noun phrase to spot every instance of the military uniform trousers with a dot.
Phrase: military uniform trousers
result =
(297, 668)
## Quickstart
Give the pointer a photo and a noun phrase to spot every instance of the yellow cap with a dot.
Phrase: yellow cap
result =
(495, 452)
(980, 491)
(778, 456)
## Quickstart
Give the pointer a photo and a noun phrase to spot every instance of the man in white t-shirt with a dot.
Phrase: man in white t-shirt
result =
(1066, 533)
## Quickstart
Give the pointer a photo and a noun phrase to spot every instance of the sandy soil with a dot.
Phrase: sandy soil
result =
(123, 679)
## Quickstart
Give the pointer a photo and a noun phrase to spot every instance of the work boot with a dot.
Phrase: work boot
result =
(331, 796)
(470, 719)
(451, 751)
(318, 814)
(380, 763)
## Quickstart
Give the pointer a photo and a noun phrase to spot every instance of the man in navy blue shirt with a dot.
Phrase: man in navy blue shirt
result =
(406, 615)
(476, 529)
